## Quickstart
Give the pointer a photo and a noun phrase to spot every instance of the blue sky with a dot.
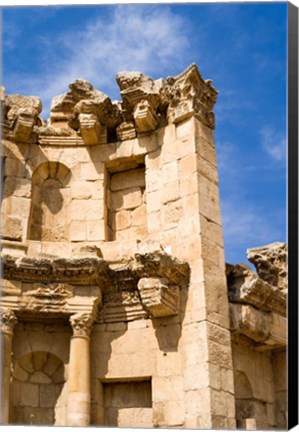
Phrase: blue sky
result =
(240, 46)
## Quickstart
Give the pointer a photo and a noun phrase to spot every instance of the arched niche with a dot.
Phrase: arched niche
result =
(49, 215)
(38, 390)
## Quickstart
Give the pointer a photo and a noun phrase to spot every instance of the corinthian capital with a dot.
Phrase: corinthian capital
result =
(81, 323)
(8, 320)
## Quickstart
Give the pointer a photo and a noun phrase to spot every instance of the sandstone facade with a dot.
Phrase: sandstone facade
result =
(117, 306)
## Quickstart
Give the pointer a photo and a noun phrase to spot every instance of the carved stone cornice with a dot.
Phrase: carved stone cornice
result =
(8, 320)
(77, 271)
(265, 330)
(81, 324)
(265, 290)
(59, 286)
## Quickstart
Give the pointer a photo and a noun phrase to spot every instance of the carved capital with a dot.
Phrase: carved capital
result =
(8, 320)
(189, 95)
(81, 324)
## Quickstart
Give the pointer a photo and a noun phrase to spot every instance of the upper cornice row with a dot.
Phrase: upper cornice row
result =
(90, 115)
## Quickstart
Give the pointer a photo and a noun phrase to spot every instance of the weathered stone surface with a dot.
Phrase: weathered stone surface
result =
(159, 298)
(20, 115)
(246, 287)
(270, 263)
(189, 94)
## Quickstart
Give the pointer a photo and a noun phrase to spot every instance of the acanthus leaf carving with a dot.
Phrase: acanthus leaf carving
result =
(8, 320)
(81, 324)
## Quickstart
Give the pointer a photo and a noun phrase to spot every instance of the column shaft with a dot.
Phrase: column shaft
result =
(8, 320)
(78, 407)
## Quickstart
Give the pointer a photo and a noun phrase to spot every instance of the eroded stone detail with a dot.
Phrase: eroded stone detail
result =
(270, 263)
(8, 320)
(21, 117)
(258, 301)
(189, 94)
(159, 298)
(81, 324)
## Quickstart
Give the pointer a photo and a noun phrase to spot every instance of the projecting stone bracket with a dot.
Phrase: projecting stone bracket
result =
(145, 116)
(23, 125)
(158, 297)
(91, 129)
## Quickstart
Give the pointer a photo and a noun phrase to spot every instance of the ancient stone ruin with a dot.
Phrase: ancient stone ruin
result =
(117, 306)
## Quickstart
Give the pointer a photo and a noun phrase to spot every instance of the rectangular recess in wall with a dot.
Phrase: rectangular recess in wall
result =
(128, 404)
(126, 199)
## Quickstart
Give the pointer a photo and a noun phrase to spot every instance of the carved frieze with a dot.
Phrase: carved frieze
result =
(77, 271)
(145, 285)
(8, 320)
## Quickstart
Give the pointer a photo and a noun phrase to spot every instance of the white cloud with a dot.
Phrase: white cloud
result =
(142, 38)
(247, 225)
(274, 143)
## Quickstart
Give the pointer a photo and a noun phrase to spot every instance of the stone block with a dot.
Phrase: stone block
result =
(12, 228)
(128, 179)
(95, 230)
(81, 190)
(170, 191)
(169, 364)
(138, 216)
(132, 198)
(189, 185)
(49, 394)
(78, 230)
(20, 207)
(174, 413)
(16, 186)
(80, 211)
(167, 389)
(206, 150)
(184, 129)
(122, 220)
(39, 360)
(153, 200)
(169, 172)
(25, 394)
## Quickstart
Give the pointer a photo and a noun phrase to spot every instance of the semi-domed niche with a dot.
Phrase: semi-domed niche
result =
(49, 215)
(38, 394)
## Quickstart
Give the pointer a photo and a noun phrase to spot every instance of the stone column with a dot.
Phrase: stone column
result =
(78, 405)
(8, 320)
